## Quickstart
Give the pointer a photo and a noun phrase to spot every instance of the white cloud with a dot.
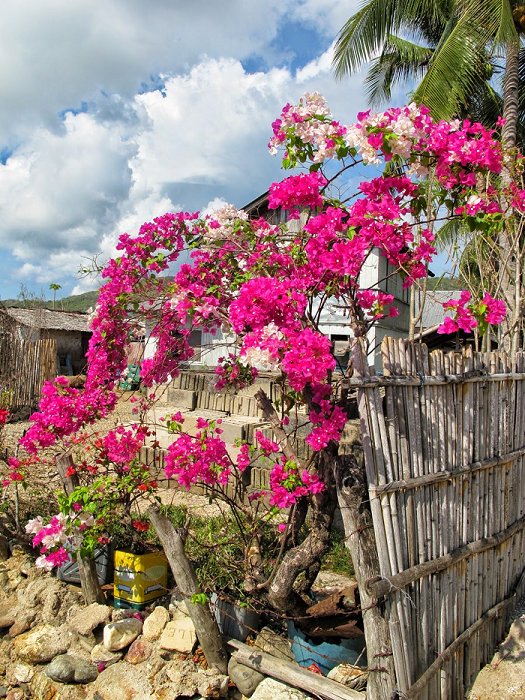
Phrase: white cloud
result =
(75, 182)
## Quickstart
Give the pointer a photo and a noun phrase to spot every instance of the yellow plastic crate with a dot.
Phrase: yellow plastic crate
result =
(139, 578)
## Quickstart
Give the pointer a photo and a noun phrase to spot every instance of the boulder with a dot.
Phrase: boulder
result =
(155, 623)
(179, 635)
(270, 689)
(246, 679)
(41, 644)
(118, 635)
(90, 617)
(66, 668)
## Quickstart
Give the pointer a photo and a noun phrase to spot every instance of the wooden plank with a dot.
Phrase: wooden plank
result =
(447, 474)
(291, 673)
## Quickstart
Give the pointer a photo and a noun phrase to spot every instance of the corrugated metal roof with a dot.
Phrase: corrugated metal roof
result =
(433, 311)
(47, 319)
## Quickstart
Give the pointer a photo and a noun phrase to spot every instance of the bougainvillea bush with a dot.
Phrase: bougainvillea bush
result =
(267, 285)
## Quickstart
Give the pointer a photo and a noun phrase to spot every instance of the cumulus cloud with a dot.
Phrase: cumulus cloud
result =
(94, 154)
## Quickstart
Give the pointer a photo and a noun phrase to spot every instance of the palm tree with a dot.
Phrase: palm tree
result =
(450, 49)
(54, 287)
(453, 51)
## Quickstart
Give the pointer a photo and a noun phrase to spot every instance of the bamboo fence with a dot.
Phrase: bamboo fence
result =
(24, 367)
(444, 445)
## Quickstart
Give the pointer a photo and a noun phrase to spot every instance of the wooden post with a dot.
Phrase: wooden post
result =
(205, 624)
(359, 534)
(86, 565)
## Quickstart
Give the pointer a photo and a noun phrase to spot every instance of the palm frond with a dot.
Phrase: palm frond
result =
(454, 72)
(364, 33)
(400, 60)
(493, 19)
(449, 235)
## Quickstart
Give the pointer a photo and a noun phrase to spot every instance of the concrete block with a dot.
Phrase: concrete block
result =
(183, 398)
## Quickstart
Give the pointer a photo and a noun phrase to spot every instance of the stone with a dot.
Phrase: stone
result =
(66, 668)
(41, 644)
(122, 614)
(23, 622)
(100, 655)
(211, 684)
(8, 612)
(179, 635)
(271, 643)
(6, 648)
(3, 691)
(183, 398)
(51, 598)
(118, 635)
(123, 682)
(90, 617)
(43, 688)
(15, 694)
(19, 673)
(182, 678)
(351, 676)
(139, 651)
(246, 679)
(155, 623)
(270, 689)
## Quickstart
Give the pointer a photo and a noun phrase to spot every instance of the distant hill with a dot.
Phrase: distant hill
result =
(443, 283)
(76, 302)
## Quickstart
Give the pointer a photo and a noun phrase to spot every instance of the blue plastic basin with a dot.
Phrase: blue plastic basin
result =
(325, 655)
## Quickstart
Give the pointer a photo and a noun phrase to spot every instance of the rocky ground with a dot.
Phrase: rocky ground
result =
(53, 647)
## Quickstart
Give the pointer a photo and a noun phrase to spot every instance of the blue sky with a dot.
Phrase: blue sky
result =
(115, 111)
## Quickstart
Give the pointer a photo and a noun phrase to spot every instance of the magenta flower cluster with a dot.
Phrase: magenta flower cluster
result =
(470, 314)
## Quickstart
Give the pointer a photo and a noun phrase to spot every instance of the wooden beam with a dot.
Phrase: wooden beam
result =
(292, 673)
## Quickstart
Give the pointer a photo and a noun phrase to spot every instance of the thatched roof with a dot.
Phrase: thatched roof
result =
(47, 319)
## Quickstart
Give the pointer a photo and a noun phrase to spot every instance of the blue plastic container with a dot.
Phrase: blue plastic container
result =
(325, 655)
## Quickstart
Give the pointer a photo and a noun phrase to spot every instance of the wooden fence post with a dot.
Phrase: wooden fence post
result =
(205, 624)
(353, 498)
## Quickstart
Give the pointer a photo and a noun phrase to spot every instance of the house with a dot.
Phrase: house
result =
(69, 330)
(377, 273)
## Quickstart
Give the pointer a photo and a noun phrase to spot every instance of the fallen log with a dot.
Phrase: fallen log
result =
(292, 674)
